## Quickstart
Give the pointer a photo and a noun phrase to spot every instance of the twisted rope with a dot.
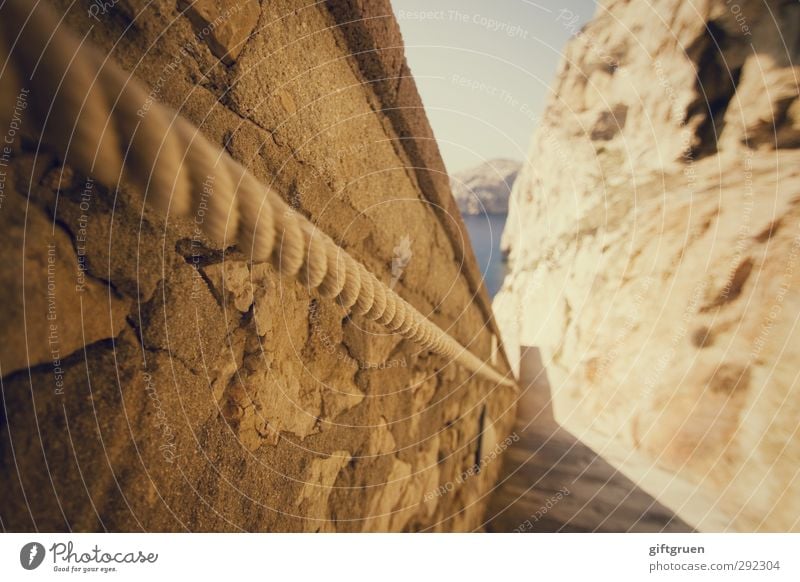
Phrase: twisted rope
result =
(93, 115)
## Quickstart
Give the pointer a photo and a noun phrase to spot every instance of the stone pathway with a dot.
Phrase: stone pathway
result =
(552, 482)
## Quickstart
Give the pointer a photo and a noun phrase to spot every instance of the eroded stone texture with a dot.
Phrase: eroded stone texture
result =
(52, 307)
(220, 395)
(655, 252)
(225, 26)
(318, 482)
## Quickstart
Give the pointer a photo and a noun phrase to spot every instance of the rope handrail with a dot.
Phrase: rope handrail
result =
(107, 125)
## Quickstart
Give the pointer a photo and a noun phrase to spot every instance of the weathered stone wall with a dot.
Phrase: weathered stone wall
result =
(154, 382)
(655, 253)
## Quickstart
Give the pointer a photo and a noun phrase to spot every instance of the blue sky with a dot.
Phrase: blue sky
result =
(483, 69)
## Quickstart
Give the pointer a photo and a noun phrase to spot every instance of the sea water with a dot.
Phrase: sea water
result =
(485, 232)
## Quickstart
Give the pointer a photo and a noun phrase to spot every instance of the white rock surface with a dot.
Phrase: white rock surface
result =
(655, 254)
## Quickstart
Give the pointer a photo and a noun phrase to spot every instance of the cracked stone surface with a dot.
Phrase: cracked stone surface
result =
(224, 26)
(655, 254)
(212, 394)
(48, 313)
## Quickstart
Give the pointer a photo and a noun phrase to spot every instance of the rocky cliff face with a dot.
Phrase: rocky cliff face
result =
(486, 188)
(655, 253)
(154, 381)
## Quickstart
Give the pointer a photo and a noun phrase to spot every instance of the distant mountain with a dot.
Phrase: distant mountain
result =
(485, 189)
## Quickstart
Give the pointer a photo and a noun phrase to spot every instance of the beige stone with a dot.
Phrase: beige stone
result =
(234, 398)
(317, 484)
(53, 308)
(654, 255)
(225, 27)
